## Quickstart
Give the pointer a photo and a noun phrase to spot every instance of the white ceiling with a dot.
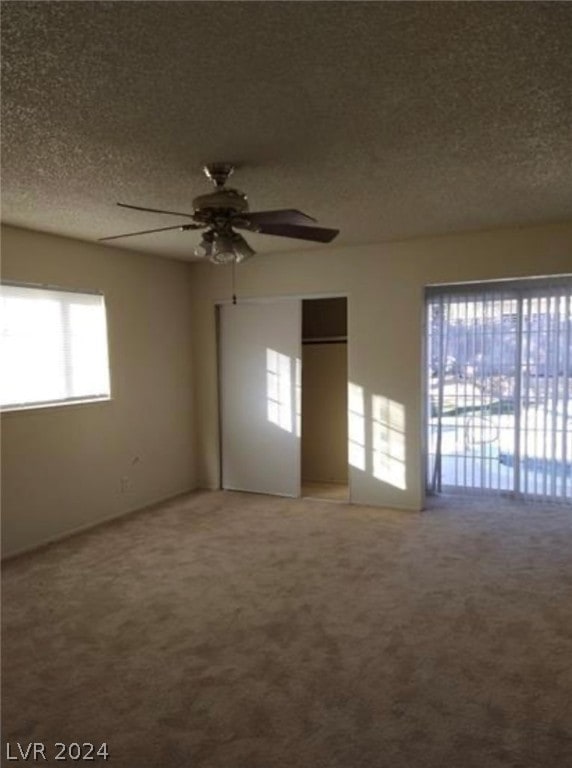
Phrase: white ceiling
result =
(387, 120)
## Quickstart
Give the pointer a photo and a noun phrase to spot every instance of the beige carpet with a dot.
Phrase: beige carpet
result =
(250, 632)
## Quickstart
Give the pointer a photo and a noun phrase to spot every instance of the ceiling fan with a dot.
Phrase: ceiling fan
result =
(223, 211)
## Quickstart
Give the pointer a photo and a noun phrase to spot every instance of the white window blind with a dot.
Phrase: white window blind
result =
(53, 347)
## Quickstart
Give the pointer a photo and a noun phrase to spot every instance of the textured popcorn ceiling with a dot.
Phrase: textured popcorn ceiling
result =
(387, 120)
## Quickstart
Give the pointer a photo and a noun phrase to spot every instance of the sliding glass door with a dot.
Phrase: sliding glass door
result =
(499, 386)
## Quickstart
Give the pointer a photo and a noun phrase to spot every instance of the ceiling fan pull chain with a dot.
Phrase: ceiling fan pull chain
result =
(234, 281)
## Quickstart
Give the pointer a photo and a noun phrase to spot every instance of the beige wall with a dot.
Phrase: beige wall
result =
(62, 467)
(324, 413)
(384, 284)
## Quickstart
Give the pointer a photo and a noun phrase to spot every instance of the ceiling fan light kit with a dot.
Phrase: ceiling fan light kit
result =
(226, 209)
(223, 248)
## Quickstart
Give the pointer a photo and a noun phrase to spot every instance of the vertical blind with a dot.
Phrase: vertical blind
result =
(500, 388)
(53, 346)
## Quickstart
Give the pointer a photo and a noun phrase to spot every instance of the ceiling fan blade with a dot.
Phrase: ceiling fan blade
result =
(155, 210)
(319, 234)
(286, 216)
(148, 231)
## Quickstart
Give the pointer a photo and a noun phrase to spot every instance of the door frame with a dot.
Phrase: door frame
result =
(265, 300)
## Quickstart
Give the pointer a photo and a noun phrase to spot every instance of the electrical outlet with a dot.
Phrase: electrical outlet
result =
(126, 485)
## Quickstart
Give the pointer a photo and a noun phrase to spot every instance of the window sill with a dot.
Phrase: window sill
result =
(13, 409)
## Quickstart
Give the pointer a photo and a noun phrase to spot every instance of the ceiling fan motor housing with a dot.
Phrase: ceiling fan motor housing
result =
(229, 201)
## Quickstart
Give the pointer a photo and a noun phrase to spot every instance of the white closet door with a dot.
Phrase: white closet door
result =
(260, 358)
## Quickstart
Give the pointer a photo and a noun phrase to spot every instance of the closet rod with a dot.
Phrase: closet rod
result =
(330, 340)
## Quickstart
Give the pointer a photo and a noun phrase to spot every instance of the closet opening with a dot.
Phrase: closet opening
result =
(324, 444)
